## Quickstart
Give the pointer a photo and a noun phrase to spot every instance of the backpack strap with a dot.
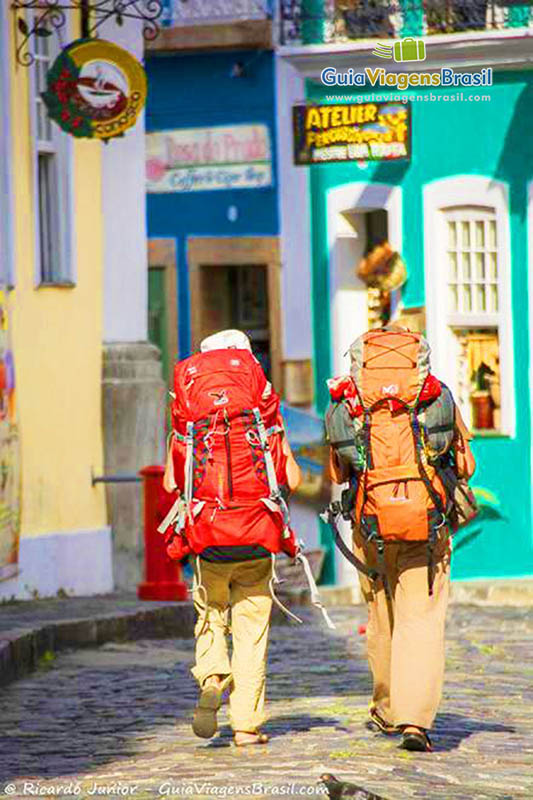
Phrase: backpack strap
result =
(275, 581)
(372, 535)
(275, 493)
(330, 516)
(435, 497)
(315, 595)
(313, 588)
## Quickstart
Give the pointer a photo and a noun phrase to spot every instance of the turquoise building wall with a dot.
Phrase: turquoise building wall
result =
(492, 139)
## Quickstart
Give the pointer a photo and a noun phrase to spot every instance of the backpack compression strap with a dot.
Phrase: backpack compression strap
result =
(275, 494)
(189, 468)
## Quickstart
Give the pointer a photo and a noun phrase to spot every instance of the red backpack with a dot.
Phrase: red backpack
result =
(228, 457)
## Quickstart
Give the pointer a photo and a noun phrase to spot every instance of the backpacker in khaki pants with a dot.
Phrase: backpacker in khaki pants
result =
(230, 464)
(397, 437)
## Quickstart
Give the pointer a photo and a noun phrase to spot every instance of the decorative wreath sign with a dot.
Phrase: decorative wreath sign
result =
(95, 89)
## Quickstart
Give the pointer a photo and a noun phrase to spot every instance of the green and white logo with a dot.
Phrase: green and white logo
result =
(405, 50)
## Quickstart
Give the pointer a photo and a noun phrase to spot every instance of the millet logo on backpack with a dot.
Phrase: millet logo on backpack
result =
(392, 389)
(220, 398)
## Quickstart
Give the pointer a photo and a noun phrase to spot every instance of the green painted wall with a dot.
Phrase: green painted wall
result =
(492, 139)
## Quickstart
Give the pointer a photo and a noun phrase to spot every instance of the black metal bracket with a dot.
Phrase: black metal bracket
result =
(119, 477)
(49, 16)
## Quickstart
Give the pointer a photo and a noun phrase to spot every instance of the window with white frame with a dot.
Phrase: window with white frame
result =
(472, 262)
(474, 311)
(467, 252)
(52, 179)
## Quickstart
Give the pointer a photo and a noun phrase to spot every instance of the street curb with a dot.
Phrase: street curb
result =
(21, 649)
(515, 592)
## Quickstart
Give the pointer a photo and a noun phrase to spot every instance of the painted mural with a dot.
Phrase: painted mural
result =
(306, 436)
(9, 453)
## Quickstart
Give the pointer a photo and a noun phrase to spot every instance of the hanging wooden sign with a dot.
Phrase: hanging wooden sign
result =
(95, 89)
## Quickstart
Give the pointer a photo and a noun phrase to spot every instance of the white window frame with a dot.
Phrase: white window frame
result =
(459, 192)
(62, 149)
(7, 268)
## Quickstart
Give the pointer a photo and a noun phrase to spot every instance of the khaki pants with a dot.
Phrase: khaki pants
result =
(405, 636)
(241, 586)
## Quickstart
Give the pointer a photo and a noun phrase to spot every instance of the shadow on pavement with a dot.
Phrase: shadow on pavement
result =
(94, 707)
(286, 725)
(451, 729)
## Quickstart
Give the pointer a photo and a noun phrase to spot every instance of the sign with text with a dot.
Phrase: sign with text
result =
(207, 159)
(95, 89)
(351, 132)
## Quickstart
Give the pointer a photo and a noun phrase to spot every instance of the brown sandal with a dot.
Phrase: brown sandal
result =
(260, 738)
(204, 722)
(416, 741)
(378, 723)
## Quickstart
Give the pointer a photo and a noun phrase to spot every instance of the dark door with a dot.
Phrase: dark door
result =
(236, 296)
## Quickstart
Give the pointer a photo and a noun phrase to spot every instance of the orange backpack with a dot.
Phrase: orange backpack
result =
(397, 493)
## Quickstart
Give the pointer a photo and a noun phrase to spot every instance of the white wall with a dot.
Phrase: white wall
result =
(124, 208)
(348, 293)
(296, 307)
(78, 563)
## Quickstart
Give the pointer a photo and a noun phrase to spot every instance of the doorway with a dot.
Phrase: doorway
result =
(360, 216)
(355, 308)
(236, 296)
(162, 305)
(235, 283)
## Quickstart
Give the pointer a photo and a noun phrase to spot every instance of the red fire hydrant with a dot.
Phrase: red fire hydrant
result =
(162, 574)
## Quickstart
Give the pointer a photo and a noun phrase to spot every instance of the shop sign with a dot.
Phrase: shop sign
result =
(95, 89)
(207, 159)
(351, 132)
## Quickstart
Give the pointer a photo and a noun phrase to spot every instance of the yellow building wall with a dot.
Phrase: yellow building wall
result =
(57, 345)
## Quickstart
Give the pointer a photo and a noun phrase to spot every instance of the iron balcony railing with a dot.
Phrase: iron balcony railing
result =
(323, 21)
(209, 12)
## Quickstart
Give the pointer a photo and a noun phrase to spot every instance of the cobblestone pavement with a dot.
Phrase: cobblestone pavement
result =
(115, 721)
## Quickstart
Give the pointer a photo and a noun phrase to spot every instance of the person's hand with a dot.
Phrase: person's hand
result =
(293, 471)
(169, 481)
(169, 484)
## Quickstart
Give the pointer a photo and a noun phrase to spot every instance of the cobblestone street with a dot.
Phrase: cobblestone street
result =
(115, 721)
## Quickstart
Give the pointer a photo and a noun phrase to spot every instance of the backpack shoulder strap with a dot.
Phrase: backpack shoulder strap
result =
(189, 467)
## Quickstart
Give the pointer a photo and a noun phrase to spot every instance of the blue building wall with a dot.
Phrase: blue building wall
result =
(191, 91)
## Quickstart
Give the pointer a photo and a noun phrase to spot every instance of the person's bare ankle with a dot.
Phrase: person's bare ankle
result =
(249, 737)
(213, 680)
